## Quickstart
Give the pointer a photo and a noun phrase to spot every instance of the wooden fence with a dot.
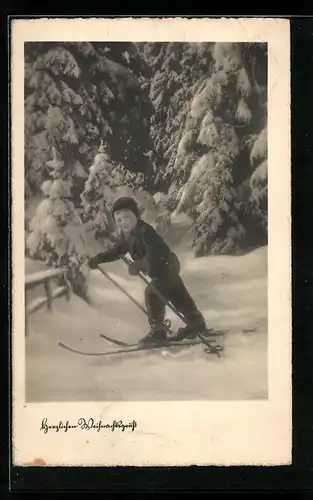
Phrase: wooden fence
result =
(45, 279)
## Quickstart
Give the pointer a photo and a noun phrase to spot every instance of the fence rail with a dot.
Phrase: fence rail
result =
(45, 279)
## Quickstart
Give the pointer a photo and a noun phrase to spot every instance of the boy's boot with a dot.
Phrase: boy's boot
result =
(157, 335)
(197, 325)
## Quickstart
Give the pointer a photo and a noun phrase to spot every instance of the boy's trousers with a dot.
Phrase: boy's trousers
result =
(171, 286)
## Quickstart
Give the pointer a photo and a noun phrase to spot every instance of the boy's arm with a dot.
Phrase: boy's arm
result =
(116, 249)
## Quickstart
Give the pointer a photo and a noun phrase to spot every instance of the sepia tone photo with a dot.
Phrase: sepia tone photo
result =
(146, 215)
(162, 146)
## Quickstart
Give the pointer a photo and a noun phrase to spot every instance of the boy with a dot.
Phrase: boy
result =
(152, 256)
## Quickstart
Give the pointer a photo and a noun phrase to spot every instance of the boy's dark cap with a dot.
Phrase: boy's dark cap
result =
(125, 203)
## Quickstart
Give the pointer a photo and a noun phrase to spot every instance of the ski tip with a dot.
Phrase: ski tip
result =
(115, 341)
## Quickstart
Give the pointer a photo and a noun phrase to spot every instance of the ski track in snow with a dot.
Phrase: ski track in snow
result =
(230, 291)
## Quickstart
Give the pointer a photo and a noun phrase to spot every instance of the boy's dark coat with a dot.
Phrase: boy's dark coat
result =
(147, 248)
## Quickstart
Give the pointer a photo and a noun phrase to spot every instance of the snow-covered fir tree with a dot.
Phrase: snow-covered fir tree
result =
(213, 152)
(125, 177)
(56, 231)
(90, 91)
(99, 191)
(170, 89)
(258, 180)
(105, 183)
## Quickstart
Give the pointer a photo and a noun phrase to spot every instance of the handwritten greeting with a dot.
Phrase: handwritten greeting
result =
(89, 424)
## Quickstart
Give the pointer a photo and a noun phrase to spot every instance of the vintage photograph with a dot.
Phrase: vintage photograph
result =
(146, 221)
(151, 242)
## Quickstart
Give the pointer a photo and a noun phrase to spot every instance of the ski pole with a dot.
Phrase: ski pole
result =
(167, 303)
(123, 290)
(167, 322)
(150, 283)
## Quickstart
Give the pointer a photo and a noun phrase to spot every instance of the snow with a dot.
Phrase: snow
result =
(230, 291)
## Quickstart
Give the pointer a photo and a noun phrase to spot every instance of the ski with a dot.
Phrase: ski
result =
(207, 334)
(116, 341)
(137, 347)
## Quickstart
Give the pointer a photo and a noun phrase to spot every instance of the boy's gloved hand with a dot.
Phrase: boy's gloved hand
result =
(133, 268)
(137, 266)
(93, 262)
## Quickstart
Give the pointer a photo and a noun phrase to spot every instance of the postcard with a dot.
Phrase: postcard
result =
(151, 242)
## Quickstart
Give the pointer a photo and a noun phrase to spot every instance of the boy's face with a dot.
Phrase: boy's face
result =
(125, 220)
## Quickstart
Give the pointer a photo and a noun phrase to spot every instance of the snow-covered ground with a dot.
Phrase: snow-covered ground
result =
(230, 291)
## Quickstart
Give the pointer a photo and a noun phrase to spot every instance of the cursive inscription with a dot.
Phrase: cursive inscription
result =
(87, 424)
